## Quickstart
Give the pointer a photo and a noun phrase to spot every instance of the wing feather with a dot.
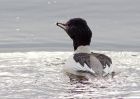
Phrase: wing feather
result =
(82, 58)
(104, 60)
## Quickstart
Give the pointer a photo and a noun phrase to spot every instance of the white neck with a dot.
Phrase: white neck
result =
(83, 49)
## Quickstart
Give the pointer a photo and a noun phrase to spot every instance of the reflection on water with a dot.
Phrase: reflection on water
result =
(31, 75)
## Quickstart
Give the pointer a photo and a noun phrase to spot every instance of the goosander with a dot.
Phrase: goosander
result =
(83, 61)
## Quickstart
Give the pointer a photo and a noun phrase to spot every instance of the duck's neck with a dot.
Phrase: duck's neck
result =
(83, 49)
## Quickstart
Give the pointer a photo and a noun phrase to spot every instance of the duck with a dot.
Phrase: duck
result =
(83, 61)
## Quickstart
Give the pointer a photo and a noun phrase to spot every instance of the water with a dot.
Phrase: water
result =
(38, 75)
(34, 50)
(27, 25)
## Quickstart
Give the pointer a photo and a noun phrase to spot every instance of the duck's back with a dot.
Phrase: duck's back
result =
(91, 63)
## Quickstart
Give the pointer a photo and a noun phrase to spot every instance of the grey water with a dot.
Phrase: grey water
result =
(33, 49)
(30, 25)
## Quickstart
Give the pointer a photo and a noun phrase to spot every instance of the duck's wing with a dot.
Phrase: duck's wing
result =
(92, 63)
(104, 60)
(89, 63)
(82, 58)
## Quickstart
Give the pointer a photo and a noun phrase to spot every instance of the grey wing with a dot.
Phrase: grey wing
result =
(104, 60)
(92, 60)
(82, 58)
(85, 58)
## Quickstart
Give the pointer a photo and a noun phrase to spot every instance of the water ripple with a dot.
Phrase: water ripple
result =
(31, 75)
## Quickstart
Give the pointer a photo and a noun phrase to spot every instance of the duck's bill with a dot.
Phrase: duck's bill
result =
(61, 25)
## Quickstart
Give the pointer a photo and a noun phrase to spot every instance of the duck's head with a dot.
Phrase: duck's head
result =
(78, 31)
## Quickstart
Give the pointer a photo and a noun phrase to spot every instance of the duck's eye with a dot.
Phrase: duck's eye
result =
(68, 24)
